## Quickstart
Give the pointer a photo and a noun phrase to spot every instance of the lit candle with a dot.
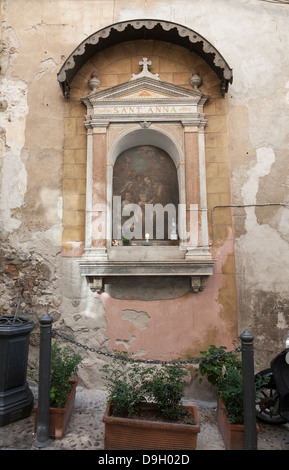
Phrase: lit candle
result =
(147, 236)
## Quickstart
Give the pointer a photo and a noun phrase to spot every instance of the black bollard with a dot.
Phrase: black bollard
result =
(43, 439)
(247, 340)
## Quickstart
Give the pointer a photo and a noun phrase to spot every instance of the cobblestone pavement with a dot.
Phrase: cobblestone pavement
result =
(85, 430)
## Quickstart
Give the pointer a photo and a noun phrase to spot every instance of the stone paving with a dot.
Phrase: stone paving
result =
(85, 430)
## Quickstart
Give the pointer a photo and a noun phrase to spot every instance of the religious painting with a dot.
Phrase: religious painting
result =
(145, 181)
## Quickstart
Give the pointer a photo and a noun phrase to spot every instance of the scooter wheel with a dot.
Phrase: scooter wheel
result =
(267, 402)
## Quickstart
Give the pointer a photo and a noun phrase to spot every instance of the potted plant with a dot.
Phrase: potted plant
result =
(224, 371)
(145, 410)
(125, 241)
(64, 366)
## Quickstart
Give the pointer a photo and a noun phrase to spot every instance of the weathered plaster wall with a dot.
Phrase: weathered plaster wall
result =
(252, 35)
(31, 165)
(259, 143)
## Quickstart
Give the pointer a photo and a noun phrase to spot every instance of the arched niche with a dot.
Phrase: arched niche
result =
(157, 138)
(145, 184)
(144, 136)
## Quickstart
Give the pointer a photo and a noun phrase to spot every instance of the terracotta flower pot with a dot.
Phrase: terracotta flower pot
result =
(59, 417)
(232, 434)
(138, 434)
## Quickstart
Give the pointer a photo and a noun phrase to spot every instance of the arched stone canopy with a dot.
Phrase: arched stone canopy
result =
(143, 29)
(142, 137)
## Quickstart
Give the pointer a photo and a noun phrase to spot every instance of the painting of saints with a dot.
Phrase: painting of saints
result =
(145, 175)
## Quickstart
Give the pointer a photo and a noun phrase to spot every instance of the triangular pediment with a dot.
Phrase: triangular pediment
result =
(145, 90)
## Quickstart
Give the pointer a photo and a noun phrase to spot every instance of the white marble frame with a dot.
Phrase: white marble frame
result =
(132, 137)
(154, 135)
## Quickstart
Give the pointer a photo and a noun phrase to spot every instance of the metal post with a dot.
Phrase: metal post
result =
(43, 439)
(247, 340)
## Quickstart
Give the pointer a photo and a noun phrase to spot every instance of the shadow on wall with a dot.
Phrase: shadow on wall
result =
(147, 288)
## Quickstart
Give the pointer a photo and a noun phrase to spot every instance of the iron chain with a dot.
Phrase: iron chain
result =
(145, 361)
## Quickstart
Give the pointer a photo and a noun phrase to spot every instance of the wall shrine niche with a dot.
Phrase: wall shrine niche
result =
(145, 177)
(146, 207)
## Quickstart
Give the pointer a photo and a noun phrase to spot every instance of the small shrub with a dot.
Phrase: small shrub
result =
(230, 389)
(165, 387)
(216, 361)
(124, 382)
(131, 383)
(64, 364)
(224, 371)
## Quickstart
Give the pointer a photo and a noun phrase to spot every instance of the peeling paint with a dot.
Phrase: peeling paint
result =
(180, 326)
(269, 323)
(10, 46)
(46, 66)
(281, 321)
(265, 159)
(14, 174)
(263, 252)
(127, 343)
(13, 119)
(139, 319)
(287, 94)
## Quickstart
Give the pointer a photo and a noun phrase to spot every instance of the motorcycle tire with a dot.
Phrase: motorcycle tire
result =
(267, 401)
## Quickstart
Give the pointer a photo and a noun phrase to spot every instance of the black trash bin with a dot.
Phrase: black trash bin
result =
(16, 398)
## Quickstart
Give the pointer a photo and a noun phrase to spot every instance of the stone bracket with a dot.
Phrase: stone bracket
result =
(198, 283)
(96, 272)
(95, 283)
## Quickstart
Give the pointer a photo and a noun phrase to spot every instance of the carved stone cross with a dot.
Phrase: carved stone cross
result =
(145, 64)
(145, 71)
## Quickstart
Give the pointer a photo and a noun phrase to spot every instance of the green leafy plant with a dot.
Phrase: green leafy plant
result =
(131, 383)
(224, 371)
(124, 384)
(216, 361)
(64, 364)
(230, 389)
(166, 388)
